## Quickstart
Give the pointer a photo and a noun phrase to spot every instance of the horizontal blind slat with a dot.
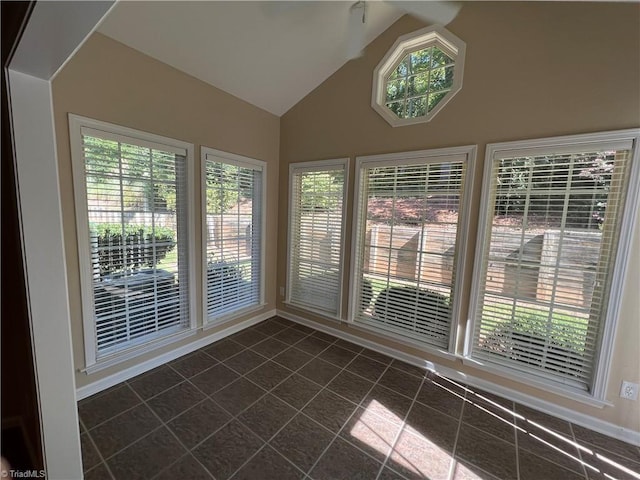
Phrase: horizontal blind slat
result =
(136, 196)
(407, 247)
(548, 253)
(316, 232)
(233, 240)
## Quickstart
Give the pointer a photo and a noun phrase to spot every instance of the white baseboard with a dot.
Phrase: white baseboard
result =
(127, 373)
(587, 421)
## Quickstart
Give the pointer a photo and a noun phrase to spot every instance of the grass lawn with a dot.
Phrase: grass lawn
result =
(564, 329)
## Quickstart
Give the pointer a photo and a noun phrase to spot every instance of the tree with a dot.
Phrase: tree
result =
(147, 176)
(225, 186)
(321, 191)
(537, 179)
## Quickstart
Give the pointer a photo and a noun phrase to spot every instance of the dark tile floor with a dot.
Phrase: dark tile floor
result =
(283, 401)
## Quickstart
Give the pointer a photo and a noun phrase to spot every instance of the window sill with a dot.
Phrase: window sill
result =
(437, 352)
(549, 386)
(136, 351)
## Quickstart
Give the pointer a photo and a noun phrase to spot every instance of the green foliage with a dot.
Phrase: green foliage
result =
(227, 185)
(130, 248)
(220, 273)
(419, 82)
(107, 163)
(535, 326)
(413, 302)
(413, 180)
(589, 172)
(321, 190)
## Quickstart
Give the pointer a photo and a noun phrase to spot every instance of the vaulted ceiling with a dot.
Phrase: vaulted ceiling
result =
(270, 54)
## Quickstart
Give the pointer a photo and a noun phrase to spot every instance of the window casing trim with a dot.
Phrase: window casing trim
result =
(621, 139)
(411, 42)
(207, 153)
(465, 154)
(307, 167)
(77, 125)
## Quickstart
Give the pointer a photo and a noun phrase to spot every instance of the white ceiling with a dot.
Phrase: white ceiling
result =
(270, 54)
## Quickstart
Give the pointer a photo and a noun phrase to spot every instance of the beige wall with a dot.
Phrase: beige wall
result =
(108, 81)
(531, 70)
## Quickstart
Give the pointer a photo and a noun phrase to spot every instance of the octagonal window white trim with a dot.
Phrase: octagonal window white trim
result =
(434, 35)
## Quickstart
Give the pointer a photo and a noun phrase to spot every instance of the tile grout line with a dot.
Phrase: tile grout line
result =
(163, 424)
(236, 417)
(402, 425)
(116, 415)
(454, 461)
(232, 416)
(515, 431)
(566, 437)
(268, 392)
(102, 459)
(308, 473)
(325, 387)
(584, 467)
(265, 443)
(144, 402)
(298, 411)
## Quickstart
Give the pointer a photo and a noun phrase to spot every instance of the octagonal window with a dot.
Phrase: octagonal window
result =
(418, 76)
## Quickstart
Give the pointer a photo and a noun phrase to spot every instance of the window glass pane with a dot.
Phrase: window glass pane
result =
(407, 248)
(396, 90)
(233, 248)
(401, 70)
(316, 232)
(419, 82)
(136, 206)
(416, 106)
(420, 60)
(434, 100)
(397, 107)
(411, 81)
(548, 262)
(440, 59)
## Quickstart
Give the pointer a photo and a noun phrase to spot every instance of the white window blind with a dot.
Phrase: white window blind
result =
(409, 218)
(551, 235)
(134, 197)
(234, 233)
(316, 233)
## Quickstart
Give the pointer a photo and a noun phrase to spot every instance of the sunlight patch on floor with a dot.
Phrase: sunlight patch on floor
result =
(377, 427)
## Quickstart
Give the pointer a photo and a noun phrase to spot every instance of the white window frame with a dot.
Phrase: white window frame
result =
(94, 362)
(588, 142)
(404, 45)
(244, 162)
(464, 153)
(318, 166)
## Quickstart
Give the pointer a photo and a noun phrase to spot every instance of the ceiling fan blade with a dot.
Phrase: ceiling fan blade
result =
(356, 30)
(441, 12)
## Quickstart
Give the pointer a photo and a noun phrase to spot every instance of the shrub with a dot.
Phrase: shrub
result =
(556, 341)
(409, 304)
(119, 251)
(221, 272)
